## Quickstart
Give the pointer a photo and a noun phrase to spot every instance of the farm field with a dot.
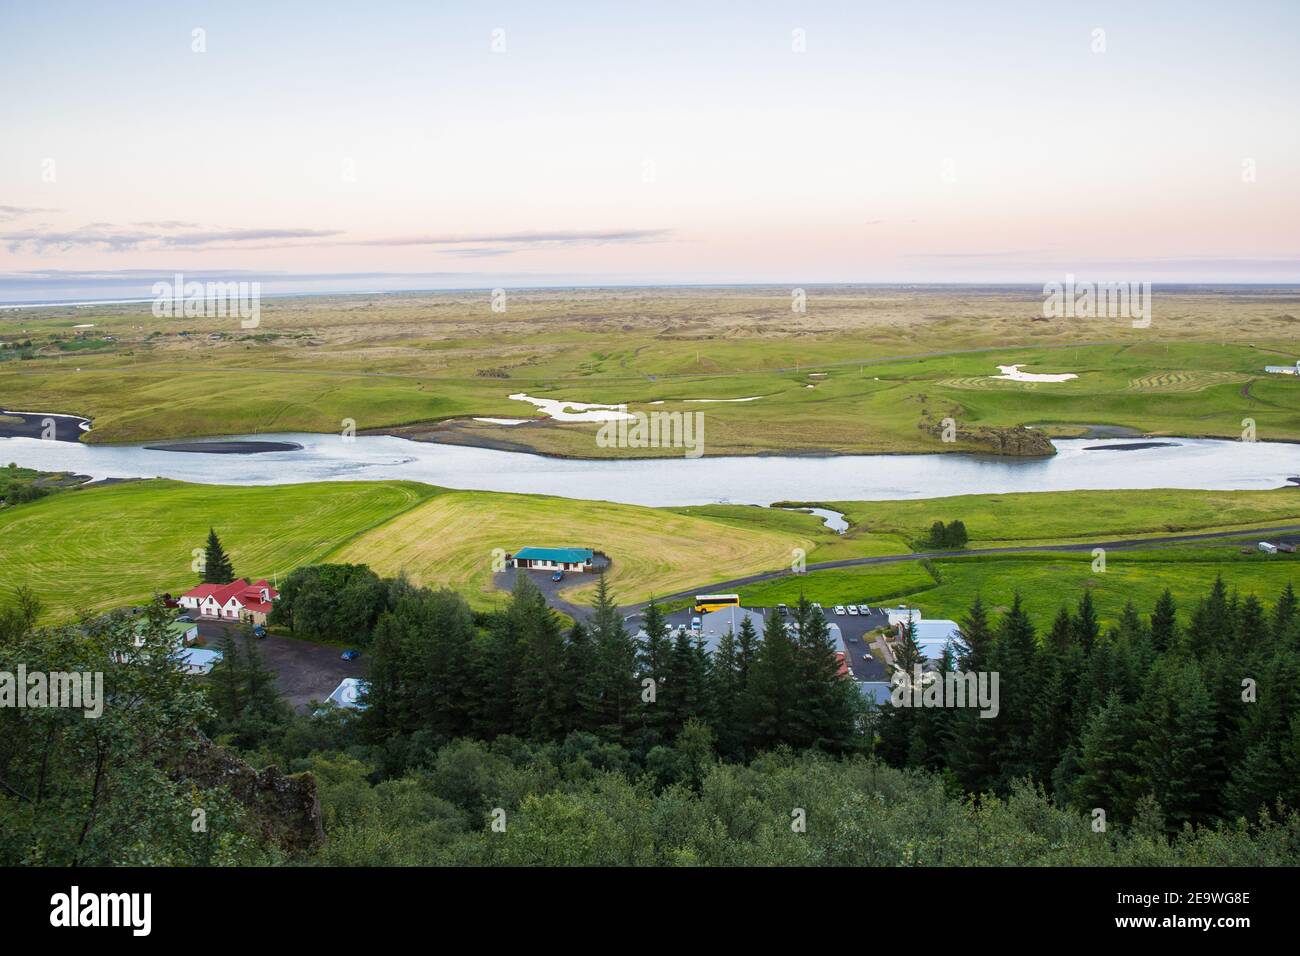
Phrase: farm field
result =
(451, 540)
(1057, 516)
(95, 549)
(945, 588)
(860, 371)
(102, 547)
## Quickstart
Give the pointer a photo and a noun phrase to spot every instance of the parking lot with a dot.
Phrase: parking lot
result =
(304, 671)
(852, 626)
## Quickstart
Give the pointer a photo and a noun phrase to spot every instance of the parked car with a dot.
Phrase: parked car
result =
(1286, 548)
(350, 655)
(839, 609)
(259, 630)
(816, 605)
(557, 576)
(681, 626)
(696, 623)
(852, 609)
(185, 618)
(853, 640)
(782, 610)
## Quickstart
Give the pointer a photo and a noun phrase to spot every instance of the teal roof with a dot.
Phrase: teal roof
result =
(558, 555)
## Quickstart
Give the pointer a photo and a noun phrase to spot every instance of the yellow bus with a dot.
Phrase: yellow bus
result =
(713, 602)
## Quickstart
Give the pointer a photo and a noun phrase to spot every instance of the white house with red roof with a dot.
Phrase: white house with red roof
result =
(236, 601)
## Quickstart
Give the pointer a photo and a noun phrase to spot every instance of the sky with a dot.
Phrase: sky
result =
(695, 142)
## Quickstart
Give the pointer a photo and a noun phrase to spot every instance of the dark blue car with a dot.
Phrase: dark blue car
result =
(557, 576)
(350, 655)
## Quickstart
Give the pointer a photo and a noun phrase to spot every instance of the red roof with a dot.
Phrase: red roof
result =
(248, 595)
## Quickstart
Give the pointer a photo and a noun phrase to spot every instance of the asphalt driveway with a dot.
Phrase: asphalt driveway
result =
(304, 671)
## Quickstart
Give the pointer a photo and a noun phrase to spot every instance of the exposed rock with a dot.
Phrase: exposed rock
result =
(282, 809)
(1013, 441)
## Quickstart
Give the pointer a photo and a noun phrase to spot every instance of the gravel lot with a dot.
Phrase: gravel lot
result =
(304, 671)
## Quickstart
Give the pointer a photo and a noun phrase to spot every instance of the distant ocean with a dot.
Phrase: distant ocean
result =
(90, 288)
(56, 289)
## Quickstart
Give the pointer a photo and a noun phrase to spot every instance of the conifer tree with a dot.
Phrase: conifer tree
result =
(1164, 623)
(616, 667)
(226, 681)
(1087, 629)
(216, 566)
(770, 692)
(976, 638)
(1284, 614)
(541, 693)
(727, 690)
(1107, 777)
(1175, 743)
(1015, 650)
(746, 649)
(580, 679)
(827, 703)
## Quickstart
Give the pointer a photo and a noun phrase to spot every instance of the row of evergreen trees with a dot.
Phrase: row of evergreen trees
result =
(435, 676)
(1201, 718)
(951, 536)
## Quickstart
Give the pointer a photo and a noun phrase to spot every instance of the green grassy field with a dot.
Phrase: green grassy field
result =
(945, 588)
(837, 378)
(1046, 517)
(865, 585)
(451, 540)
(102, 547)
(98, 548)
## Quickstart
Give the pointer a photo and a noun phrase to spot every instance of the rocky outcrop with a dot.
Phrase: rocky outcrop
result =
(1014, 441)
(282, 809)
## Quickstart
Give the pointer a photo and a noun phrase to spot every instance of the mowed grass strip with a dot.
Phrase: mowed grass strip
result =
(870, 584)
(100, 548)
(1044, 582)
(450, 540)
(1084, 515)
(946, 588)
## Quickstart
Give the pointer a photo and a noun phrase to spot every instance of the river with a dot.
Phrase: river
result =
(1185, 463)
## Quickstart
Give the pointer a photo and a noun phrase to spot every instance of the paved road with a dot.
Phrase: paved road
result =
(1119, 545)
(551, 590)
(505, 581)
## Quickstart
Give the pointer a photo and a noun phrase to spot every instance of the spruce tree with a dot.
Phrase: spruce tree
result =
(616, 668)
(727, 689)
(770, 693)
(580, 679)
(976, 638)
(746, 649)
(1164, 623)
(1175, 743)
(1015, 653)
(654, 660)
(216, 566)
(1087, 628)
(1107, 778)
(973, 742)
(226, 682)
(826, 702)
(1284, 614)
(541, 694)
